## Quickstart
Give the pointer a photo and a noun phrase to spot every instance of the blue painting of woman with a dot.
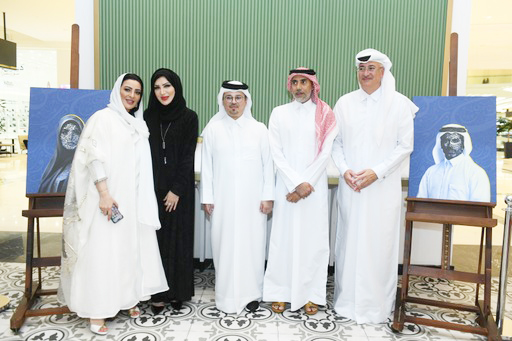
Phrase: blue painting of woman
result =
(55, 176)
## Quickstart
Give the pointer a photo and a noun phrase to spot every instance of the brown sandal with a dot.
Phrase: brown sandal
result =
(311, 308)
(278, 307)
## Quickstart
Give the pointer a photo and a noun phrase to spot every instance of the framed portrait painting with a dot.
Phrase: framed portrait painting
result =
(454, 155)
(56, 120)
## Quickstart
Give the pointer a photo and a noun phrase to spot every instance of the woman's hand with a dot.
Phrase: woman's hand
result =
(208, 208)
(106, 200)
(171, 201)
(106, 203)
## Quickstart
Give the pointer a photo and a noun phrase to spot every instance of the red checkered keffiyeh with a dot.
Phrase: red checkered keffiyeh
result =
(325, 120)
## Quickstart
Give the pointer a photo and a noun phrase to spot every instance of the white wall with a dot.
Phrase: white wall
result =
(84, 17)
(461, 24)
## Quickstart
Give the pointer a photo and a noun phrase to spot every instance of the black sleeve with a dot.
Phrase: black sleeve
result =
(185, 164)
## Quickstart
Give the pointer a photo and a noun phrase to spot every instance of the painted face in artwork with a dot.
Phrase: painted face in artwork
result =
(452, 145)
(69, 135)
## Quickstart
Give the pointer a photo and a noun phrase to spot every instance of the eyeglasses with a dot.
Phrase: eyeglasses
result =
(237, 99)
(370, 68)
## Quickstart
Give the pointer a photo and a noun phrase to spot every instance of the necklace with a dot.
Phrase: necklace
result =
(163, 135)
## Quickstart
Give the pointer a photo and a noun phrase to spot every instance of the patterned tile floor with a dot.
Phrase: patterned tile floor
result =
(199, 320)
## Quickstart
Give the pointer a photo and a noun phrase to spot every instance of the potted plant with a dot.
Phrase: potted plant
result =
(503, 127)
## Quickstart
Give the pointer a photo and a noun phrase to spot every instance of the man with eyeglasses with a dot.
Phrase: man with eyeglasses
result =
(455, 176)
(237, 182)
(375, 138)
(301, 135)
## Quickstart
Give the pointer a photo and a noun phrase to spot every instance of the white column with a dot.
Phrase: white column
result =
(461, 20)
(84, 16)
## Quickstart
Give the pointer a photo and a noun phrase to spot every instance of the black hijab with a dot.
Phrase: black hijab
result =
(175, 109)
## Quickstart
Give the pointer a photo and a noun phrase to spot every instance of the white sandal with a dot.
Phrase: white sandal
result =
(99, 329)
(134, 312)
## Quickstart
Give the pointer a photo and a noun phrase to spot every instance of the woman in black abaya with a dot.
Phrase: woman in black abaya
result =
(173, 137)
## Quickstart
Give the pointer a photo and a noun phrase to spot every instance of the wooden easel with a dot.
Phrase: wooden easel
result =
(449, 213)
(42, 206)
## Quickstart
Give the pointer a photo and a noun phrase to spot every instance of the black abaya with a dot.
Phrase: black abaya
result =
(176, 237)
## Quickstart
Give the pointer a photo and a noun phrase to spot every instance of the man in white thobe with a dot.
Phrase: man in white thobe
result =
(375, 137)
(301, 135)
(455, 176)
(237, 192)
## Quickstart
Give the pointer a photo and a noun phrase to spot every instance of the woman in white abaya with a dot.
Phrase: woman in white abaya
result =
(107, 266)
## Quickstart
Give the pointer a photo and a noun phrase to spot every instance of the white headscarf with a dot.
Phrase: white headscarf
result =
(148, 207)
(220, 97)
(372, 55)
(387, 87)
(116, 104)
(437, 151)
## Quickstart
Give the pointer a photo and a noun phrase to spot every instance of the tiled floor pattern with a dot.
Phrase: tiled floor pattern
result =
(199, 320)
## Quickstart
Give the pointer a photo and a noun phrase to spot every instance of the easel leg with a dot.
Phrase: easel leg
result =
(485, 306)
(396, 327)
(399, 315)
(480, 318)
(38, 241)
(447, 247)
(18, 317)
(488, 271)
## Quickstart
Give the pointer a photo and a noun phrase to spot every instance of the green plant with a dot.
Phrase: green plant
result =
(504, 125)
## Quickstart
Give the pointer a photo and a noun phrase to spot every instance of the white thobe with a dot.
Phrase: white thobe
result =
(299, 241)
(237, 174)
(367, 238)
(457, 179)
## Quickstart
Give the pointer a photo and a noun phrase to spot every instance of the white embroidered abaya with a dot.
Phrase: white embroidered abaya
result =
(108, 267)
